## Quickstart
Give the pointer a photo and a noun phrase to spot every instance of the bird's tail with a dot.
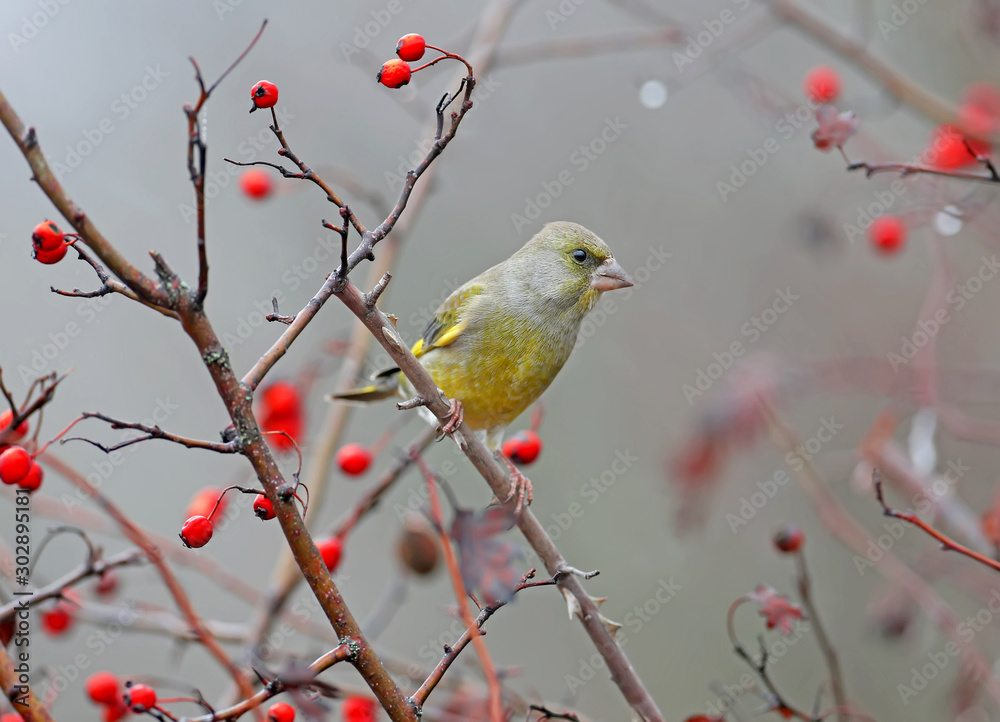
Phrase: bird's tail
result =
(385, 384)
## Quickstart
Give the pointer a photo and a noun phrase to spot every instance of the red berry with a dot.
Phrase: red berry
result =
(291, 425)
(57, 620)
(948, 149)
(789, 539)
(22, 429)
(523, 448)
(263, 507)
(411, 47)
(15, 463)
(331, 549)
(140, 698)
(47, 236)
(354, 459)
(256, 183)
(102, 687)
(12, 717)
(33, 479)
(280, 712)
(196, 532)
(203, 502)
(887, 234)
(50, 257)
(822, 84)
(394, 74)
(281, 398)
(357, 709)
(264, 95)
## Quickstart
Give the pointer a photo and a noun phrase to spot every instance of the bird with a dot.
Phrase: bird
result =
(498, 341)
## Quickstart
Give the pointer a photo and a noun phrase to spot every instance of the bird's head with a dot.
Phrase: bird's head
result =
(569, 265)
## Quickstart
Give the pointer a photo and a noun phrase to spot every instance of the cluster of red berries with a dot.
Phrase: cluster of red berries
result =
(397, 72)
(104, 689)
(49, 244)
(17, 466)
(281, 410)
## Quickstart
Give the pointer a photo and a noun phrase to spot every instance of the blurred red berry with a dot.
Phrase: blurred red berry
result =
(394, 74)
(357, 709)
(102, 687)
(789, 539)
(263, 507)
(887, 234)
(822, 84)
(280, 712)
(979, 113)
(140, 697)
(56, 621)
(50, 257)
(33, 479)
(354, 459)
(281, 398)
(948, 149)
(15, 463)
(114, 712)
(203, 502)
(47, 236)
(291, 425)
(196, 532)
(22, 429)
(411, 47)
(264, 95)
(11, 717)
(330, 549)
(523, 448)
(107, 583)
(256, 183)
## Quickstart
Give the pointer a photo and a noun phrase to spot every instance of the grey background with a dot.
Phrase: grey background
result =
(654, 186)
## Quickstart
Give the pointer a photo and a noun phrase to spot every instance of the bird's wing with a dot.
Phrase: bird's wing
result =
(450, 320)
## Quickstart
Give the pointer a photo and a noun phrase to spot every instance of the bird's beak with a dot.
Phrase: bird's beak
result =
(609, 276)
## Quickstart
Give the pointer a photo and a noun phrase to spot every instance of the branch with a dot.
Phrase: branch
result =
(152, 432)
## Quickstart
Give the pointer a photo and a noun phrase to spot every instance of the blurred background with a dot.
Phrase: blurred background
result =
(635, 118)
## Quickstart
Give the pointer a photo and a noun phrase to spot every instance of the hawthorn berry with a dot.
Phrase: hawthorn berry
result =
(523, 448)
(789, 539)
(56, 621)
(114, 712)
(822, 84)
(22, 429)
(357, 709)
(887, 234)
(411, 47)
(33, 479)
(50, 257)
(394, 73)
(280, 712)
(140, 697)
(256, 183)
(15, 463)
(11, 717)
(203, 502)
(264, 95)
(281, 398)
(950, 149)
(47, 236)
(263, 508)
(330, 549)
(102, 687)
(196, 532)
(354, 459)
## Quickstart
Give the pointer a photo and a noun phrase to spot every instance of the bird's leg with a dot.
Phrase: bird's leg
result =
(455, 415)
(520, 487)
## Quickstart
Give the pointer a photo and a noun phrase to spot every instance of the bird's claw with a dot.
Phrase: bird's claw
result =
(456, 413)
(520, 489)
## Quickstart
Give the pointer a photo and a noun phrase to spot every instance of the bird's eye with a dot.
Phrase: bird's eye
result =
(579, 255)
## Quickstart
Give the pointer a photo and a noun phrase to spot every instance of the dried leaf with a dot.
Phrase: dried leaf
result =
(486, 562)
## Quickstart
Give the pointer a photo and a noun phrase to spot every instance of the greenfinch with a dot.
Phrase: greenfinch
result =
(498, 341)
